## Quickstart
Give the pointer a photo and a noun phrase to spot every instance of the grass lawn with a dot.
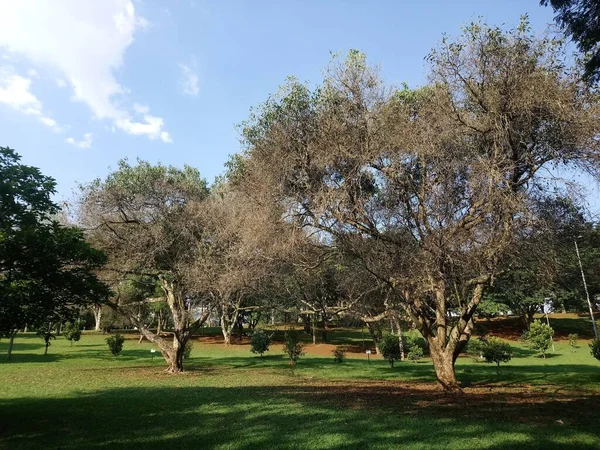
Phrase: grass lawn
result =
(80, 397)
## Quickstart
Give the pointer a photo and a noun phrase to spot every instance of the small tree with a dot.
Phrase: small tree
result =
(339, 354)
(72, 332)
(573, 341)
(46, 334)
(413, 348)
(539, 336)
(595, 348)
(292, 346)
(115, 344)
(259, 342)
(495, 350)
(390, 349)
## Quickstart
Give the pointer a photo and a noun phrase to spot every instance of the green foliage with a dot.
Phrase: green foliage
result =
(475, 347)
(71, 331)
(495, 350)
(339, 354)
(115, 344)
(46, 269)
(292, 346)
(415, 353)
(488, 308)
(539, 336)
(573, 337)
(390, 348)
(46, 333)
(413, 348)
(578, 19)
(595, 348)
(259, 342)
(187, 351)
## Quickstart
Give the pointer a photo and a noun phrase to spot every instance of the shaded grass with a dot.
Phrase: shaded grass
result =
(80, 397)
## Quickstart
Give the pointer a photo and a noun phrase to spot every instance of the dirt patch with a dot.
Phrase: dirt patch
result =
(526, 404)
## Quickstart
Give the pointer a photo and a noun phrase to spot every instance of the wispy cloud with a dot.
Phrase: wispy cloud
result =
(189, 79)
(86, 142)
(15, 91)
(83, 42)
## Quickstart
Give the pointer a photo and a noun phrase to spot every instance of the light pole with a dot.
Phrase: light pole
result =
(587, 294)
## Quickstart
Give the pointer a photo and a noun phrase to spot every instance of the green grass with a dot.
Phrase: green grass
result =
(80, 397)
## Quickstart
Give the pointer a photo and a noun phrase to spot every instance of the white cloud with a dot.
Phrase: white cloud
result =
(15, 92)
(84, 43)
(61, 83)
(86, 142)
(189, 82)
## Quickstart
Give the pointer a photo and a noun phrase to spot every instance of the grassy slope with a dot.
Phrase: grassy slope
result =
(79, 398)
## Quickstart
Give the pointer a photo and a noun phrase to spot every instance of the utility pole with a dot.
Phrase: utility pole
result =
(587, 294)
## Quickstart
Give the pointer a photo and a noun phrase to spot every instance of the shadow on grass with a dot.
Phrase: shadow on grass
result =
(327, 416)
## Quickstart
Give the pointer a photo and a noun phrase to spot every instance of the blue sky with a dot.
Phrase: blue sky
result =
(86, 83)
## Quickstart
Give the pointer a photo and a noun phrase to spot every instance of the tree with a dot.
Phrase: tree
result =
(390, 349)
(259, 342)
(539, 337)
(441, 178)
(595, 349)
(580, 20)
(292, 346)
(145, 217)
(495, 350)
(72, 331)
(46, 269)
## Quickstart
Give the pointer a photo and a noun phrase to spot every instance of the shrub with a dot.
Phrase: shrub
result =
(339, 354)
(115, 343)
(413, 348)
(495, 350)
(259, 342)
(595, 348)
(573, 340)
(539, 336)
(475, 347)
(292, 346)
(415, 353)
(187, 350)
(390, 348)
(72, 332)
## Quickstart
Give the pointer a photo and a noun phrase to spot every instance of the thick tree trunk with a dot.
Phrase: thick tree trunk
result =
(443, 362)
(11, 341)
(97, 309)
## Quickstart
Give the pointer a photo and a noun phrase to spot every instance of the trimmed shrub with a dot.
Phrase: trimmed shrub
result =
(390, 348)
(573, 337)
(292, 346)
(495, 350)
(539, 337)
(415, 353)
(339, 354)
(72, 332)
(259, 342)
(115, 344)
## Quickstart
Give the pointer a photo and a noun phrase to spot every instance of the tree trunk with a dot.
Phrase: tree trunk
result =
(314, 329)
(396, 322)
(375, 332)
(97, 309)
(46, 349)
(443, 362)
(11, 340)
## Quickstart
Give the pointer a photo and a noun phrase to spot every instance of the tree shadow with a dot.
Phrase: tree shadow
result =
(328, 416)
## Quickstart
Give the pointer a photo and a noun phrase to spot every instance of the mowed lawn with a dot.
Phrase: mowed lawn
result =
(80, 397)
